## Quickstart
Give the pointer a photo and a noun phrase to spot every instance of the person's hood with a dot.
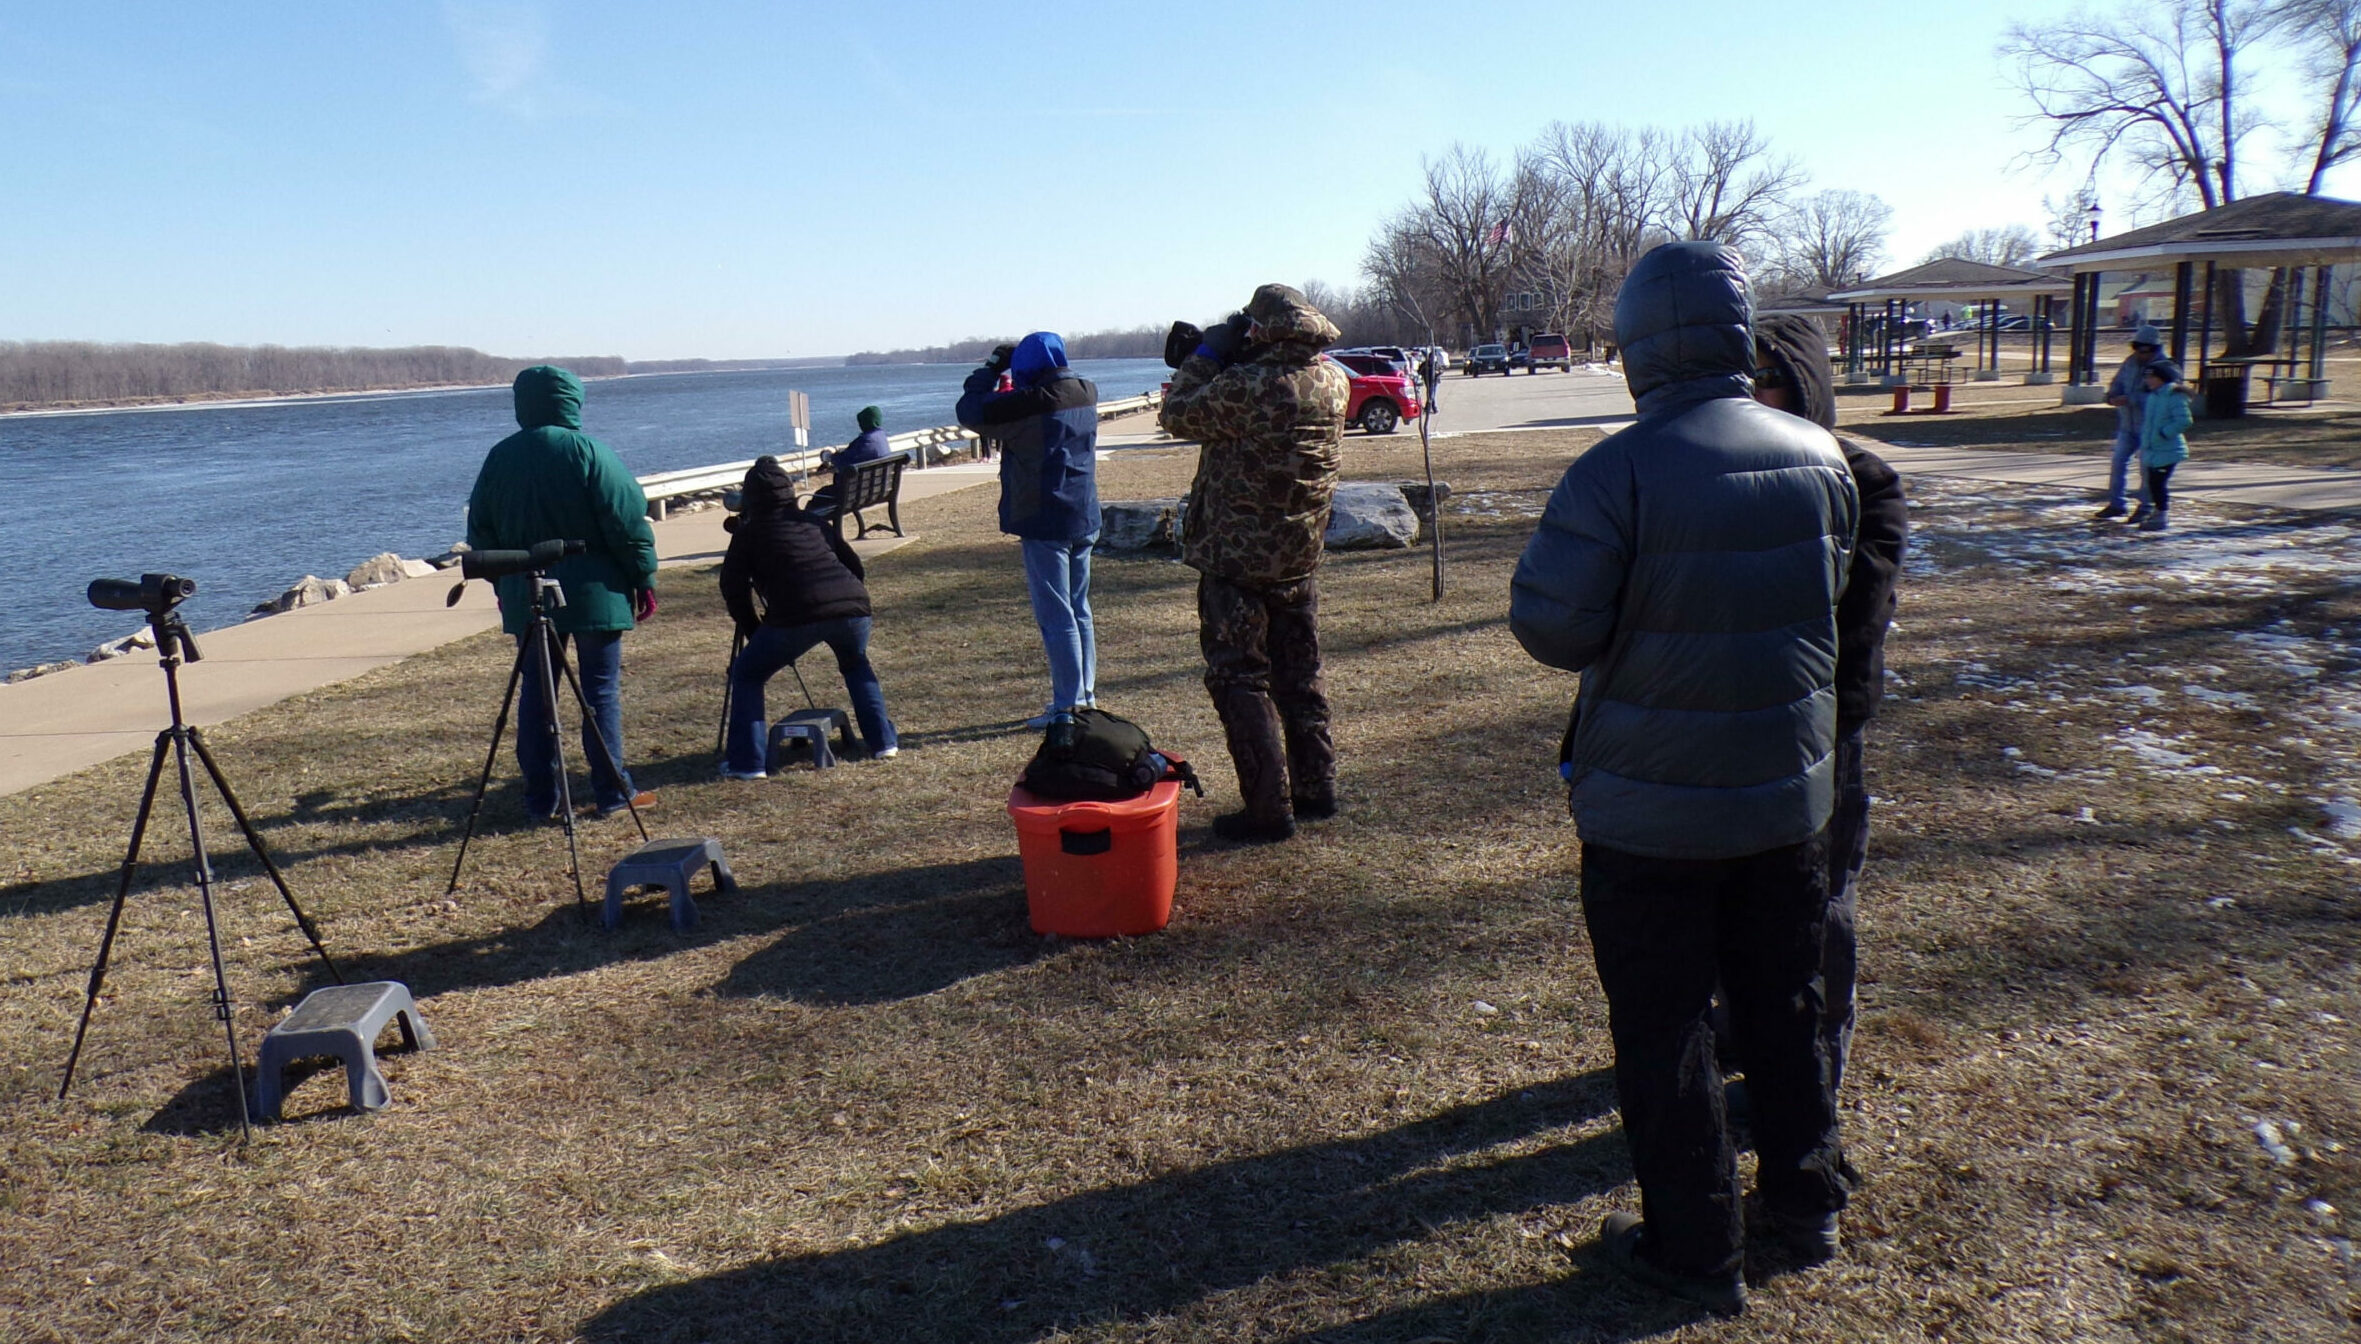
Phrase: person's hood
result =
(1797, 347)
(548, 395)
(1037, 358)
(2148, 335)
(1683, 317)
(1286, 316)
(2165, 369)
(870, 418)
(768, 486)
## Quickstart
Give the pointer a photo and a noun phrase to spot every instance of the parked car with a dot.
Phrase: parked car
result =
(1551, 350)
(1381, 400)
(1489, 358)
(2018, 323)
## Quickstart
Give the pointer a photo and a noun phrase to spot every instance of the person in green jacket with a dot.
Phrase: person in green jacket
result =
(549, 481)
(2164, 421)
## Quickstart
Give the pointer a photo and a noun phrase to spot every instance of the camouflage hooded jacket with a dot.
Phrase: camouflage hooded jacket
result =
(1270, 428)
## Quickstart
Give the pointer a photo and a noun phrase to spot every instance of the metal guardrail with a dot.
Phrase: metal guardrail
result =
(926, 447)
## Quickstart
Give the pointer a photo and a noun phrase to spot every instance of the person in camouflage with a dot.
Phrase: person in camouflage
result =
(1268, 414)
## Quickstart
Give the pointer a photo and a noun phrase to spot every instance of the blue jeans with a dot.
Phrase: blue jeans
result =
(1058, 575)
(774, 647)
(600, 668)
(2127, 447)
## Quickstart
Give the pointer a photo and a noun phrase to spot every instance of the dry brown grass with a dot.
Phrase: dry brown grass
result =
(863, 1101)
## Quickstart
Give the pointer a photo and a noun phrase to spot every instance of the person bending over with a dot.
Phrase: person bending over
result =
(1046, 427)
(1268, 415)
(792, 582)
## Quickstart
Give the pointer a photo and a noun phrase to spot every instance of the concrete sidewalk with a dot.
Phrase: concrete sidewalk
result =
(52, 726)
(2309, 490)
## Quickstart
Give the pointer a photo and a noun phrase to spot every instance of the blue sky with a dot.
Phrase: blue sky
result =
(743, 179)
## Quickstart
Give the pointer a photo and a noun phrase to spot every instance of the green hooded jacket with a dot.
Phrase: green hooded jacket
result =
(550, 481)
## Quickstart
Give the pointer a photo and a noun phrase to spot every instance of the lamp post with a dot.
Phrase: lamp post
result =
(2094, 219)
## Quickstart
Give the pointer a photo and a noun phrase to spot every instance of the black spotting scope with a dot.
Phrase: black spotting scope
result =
(500, 564)
(151, 593)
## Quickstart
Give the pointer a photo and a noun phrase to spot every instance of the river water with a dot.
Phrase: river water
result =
(246, 499)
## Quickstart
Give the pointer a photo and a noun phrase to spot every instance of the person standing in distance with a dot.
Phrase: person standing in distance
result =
(550, 481)
(1689, 568)
(2128, 396)
(1268, 414)
(1047, 429)
(1792, 375)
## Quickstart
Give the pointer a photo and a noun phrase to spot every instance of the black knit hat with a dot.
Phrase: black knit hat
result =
(768, 486)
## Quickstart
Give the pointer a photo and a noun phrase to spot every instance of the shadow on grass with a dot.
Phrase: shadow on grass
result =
(1134, 1251)
(864, 938)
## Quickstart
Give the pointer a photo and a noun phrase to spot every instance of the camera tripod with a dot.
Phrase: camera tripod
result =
(539, 649)
(172, 641)
(721, 739)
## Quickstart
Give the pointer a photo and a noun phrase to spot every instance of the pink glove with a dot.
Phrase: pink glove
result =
(645, 604)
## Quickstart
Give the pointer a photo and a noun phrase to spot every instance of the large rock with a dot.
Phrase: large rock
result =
(1371, 516)
(309, 591)
(40, 670)
(378, 570)
(142, 638)
(417, 569)
(1141, 524)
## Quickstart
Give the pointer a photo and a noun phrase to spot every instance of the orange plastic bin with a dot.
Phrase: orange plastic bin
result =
(1099, 870)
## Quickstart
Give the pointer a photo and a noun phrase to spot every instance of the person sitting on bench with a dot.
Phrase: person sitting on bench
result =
(867, 446)
(810, 584)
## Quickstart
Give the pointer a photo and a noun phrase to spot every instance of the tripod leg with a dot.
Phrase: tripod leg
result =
(598, 738)
(106, 944)
(221, 980)
(721, 739)
(499, 730)
(543, 639)
(254, 842)
(807, 690)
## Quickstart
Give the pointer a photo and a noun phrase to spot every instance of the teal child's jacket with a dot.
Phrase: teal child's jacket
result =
(549, 481)
(2163, 422)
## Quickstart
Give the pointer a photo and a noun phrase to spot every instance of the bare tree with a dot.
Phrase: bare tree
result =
(1831, 239)
(2326, 35)
(1726, 185)
(2063, 219)
(2007, 245)
(2158, 83)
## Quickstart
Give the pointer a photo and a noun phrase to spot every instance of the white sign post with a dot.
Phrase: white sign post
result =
(799, 414)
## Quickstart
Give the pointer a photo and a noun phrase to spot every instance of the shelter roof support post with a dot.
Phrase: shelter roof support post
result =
(2184, 276)
(2045, 313)
(2205, 333)
(2291, 280)
(2319, 364)
(2075, 374)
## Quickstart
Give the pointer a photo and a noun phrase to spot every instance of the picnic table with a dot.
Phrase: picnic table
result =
(1933, 361)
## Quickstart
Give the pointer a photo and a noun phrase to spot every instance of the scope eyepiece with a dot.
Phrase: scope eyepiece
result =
(151, 593)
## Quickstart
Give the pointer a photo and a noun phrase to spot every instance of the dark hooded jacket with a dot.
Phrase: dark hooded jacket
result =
(1047, 429)
(1797, 347)
(1689, 567)
(1270, 429)
(802, 569)
(549, 481)
(867, 446)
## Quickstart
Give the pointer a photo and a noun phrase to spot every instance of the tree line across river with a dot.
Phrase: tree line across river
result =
(68, 373)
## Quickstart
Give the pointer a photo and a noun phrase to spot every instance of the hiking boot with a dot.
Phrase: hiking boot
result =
(2154, 522)
(1804, 1238)
(2108, 514)
(1624, 1239)
(1242, 828)
(1317, 808)
(641, 801)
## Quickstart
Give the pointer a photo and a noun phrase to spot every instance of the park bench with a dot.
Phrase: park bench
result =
(866, 486)
(1933, 361)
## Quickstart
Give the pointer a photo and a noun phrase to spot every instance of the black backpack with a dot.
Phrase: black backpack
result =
(1100, 758)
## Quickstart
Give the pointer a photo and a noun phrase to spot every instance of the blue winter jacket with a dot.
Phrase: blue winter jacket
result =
(2164, 421)
(1047, 430)
(1689, 567)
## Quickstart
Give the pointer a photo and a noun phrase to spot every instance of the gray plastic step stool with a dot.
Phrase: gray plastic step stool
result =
(810, 728)
(340, 1022)
(668, 864)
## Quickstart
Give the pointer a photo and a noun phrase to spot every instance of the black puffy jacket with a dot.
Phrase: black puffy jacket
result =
(800, 565)
(1689, 568)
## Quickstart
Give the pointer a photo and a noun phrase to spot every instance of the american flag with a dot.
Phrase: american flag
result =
(1501, 233)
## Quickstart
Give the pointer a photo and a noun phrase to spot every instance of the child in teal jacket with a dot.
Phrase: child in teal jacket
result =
(2163, 445)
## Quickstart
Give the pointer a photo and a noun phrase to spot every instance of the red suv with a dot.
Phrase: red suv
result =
(1382, 398)
(1550, 350)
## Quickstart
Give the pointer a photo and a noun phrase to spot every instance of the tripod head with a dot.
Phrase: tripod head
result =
(157, 595)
